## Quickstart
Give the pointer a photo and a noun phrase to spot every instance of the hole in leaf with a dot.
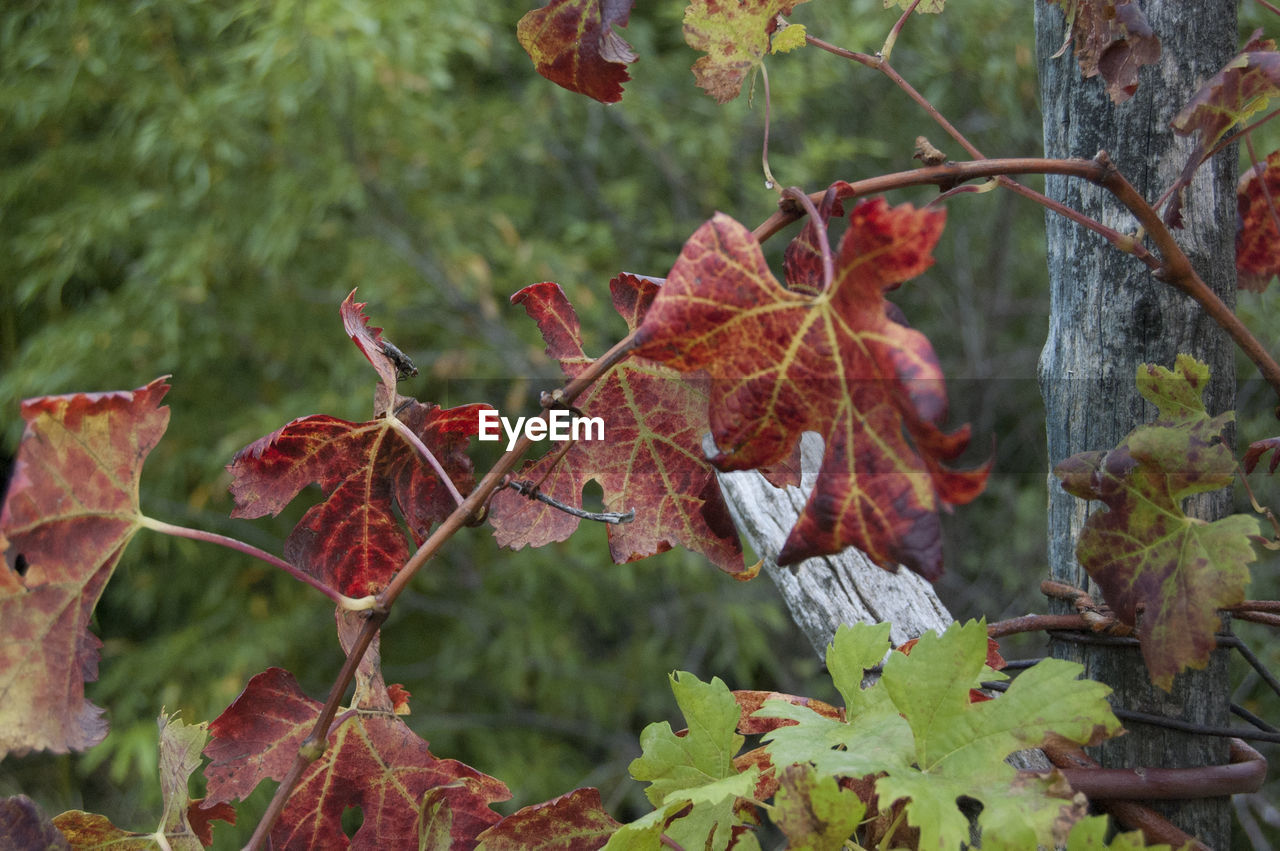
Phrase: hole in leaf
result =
(20, 565)
(352, 818)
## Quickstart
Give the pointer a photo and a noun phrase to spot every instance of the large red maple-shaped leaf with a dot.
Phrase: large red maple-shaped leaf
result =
(372, 761)
(1257, 239)
(1144, 552)
(784, 362)
(353, 541)
(573, 44)
(576, 821)
(1113, 40)
(71, 509)
(650, 459)
(1241, 89)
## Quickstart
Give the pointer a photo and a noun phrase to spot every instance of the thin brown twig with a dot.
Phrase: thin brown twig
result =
(892, 38)
(824, 242)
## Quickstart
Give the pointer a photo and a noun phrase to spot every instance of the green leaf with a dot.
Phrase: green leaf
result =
(917, 727)
(1090, 834)
(705, 754)
(926, 7)
(1144, 551)
(853, 650)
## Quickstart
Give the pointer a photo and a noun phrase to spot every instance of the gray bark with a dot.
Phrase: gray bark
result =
(823, 593)
(1109, 314)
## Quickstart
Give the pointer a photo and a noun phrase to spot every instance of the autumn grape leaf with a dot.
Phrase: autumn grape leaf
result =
(1257, 237)
(1144, 552)
(783, 362)
(71, 509)
(372, 761)
(694, 767)
(1243, 88)
(735, 38)
(1259, 448)
(650, 460)
(185, 824)
(576, 821)
(573, 44)
(1113, 40)
(813, 812)
(918, 729)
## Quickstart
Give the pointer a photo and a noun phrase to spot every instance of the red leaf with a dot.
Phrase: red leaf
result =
(651, 459)
(750, 700)
(576, 821)
(202, 817)
(71, 509)
(1240, 90)
(1257, 239)
(1113, 40)
(803, 258)
(372, 761)
(1259, 448)
(352, 541)
(784, 362)
(573, 44)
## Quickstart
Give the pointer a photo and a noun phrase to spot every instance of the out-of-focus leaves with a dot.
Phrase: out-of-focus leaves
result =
(573, 44)
(1144, 552)
(783, 362)
(1259, 448)
(23, 825)
(71, 509)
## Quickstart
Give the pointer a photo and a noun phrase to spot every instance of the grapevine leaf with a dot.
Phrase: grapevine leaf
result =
(576, 821)
(1113, 40)
(1090, 834)
(735, 37)
(918, 729)
(1243, 87)
(1257, 240)
(1259, 448)
(184, 826)
(651, 459)
(782, 363)
(24, 825)
(573, 44)
(1144, 552)
(813, 812)
(371, 760)
(71, 509)
(353, 541)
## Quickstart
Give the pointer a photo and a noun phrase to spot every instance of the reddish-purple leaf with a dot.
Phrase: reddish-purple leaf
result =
(573, 44)
(372, 761)
(353, 541)
(1144, 552)
(1113, 40)
(1257, 238)
(783, 362)
(1259, 448)
(71, 509)
(650, 459)
(576, 821)
(23, 825)
(1240, 90)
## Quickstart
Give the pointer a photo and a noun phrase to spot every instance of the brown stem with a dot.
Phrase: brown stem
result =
(1034, 623)
(892, 38)
(824, 242)
(471, 507)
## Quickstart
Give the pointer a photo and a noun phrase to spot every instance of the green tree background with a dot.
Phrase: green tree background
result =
(191, 188)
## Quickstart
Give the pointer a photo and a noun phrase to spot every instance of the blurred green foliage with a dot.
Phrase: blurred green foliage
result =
(190, 187)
